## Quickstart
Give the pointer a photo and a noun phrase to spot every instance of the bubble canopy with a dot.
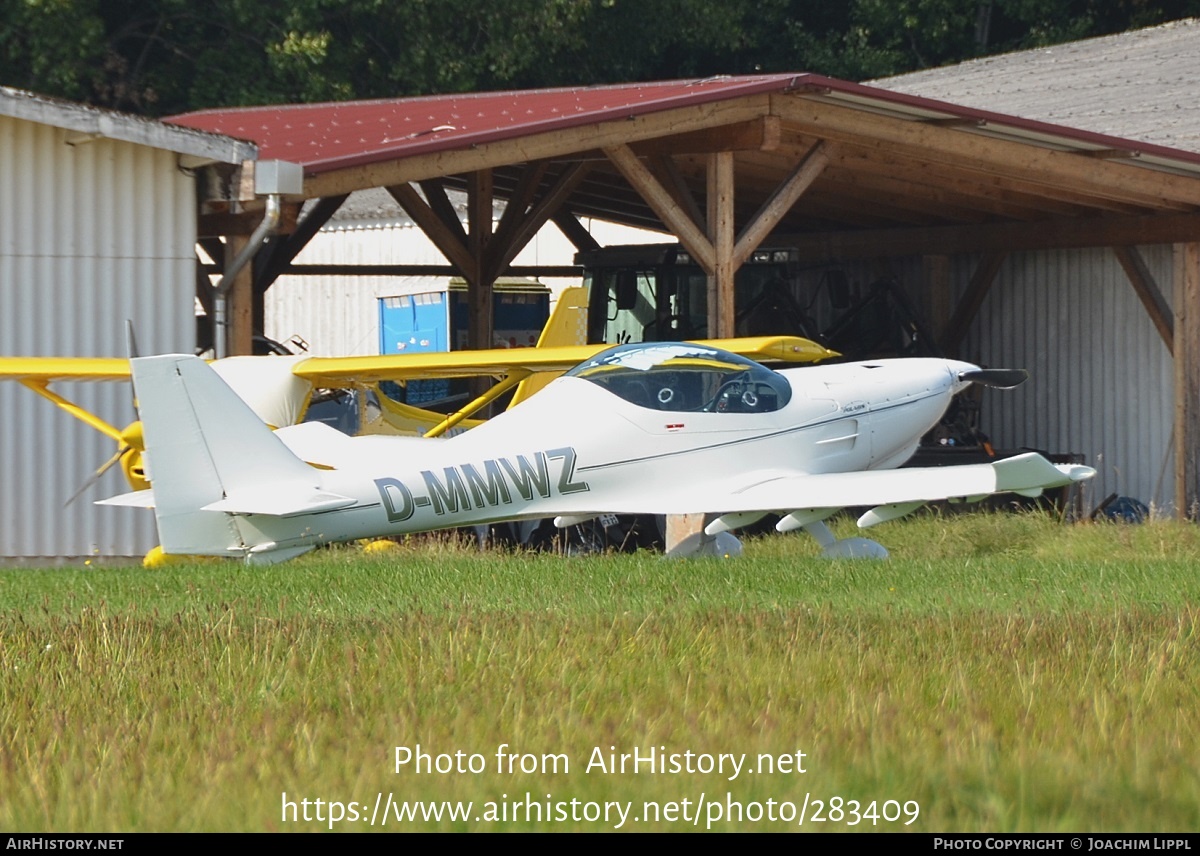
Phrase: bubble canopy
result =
(686, 378)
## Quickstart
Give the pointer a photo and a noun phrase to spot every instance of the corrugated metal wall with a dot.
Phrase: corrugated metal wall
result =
(1101, 377)
(90, 235)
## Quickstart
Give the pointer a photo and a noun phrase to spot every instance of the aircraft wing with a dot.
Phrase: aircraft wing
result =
(37, 373)
(1028, 474)
(45, 370)
(890, 493)
(281, 403)
(343, 371)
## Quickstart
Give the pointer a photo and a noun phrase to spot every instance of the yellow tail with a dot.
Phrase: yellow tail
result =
(567, 325)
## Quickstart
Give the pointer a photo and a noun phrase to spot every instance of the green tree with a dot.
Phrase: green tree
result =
(168, 56)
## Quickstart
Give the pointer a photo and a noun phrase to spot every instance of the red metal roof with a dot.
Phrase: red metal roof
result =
(331, 136)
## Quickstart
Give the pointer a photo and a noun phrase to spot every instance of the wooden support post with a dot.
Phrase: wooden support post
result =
(479, 283)
(1187, 380)
(239, 308)
(721, 318)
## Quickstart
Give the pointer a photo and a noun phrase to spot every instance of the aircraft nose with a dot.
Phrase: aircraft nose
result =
(958, 368)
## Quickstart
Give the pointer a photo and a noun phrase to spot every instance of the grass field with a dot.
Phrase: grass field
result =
(999, 673)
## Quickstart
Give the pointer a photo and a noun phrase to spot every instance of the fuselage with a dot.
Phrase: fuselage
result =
(579, 448)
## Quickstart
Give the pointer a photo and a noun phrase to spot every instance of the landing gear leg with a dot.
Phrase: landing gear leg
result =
(845, 548)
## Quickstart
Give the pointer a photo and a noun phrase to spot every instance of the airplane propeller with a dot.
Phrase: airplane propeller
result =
(128, 455)
(996, 378)
(129, 441)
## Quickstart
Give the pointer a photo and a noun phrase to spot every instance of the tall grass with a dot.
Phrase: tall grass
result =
(1003, 672)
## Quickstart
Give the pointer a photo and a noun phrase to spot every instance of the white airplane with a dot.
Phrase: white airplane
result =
(653, 428)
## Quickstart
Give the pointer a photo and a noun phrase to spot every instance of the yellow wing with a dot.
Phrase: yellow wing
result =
(347, 371)
(509, 366)
(37, 373)
(513, 366)
(50, 369)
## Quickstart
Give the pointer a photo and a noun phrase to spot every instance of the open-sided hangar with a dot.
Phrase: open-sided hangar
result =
(960, 202)
(845, 173)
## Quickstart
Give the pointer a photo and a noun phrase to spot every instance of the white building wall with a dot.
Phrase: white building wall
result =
(338, 315)
(91, 234)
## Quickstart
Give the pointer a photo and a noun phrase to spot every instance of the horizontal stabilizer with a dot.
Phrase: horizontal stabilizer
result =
(280, 501)
(136, 499)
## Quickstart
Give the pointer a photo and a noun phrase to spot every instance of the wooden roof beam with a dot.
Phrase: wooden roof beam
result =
(1101, 178)
(762, 133)
(931, 204)
(1076, 232)
(438, 200)
(451, 243)
(666, 171)
(675, 218)
(918, 166)
(574, 230)
(550, 144)
(999, 196)
(780, 202)
(1148, 292)
(515, 211)
(522, 231)
(282, 252)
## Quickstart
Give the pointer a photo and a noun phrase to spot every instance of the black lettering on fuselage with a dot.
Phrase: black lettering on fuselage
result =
(449, 497)
(464, 487)
(526, 476)
(565, 485)
(397, 500)
(491, 490)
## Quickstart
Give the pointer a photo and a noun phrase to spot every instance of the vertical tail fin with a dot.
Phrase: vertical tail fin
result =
(210, 458)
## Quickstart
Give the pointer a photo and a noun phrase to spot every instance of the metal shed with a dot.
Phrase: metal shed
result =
(97, 225)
